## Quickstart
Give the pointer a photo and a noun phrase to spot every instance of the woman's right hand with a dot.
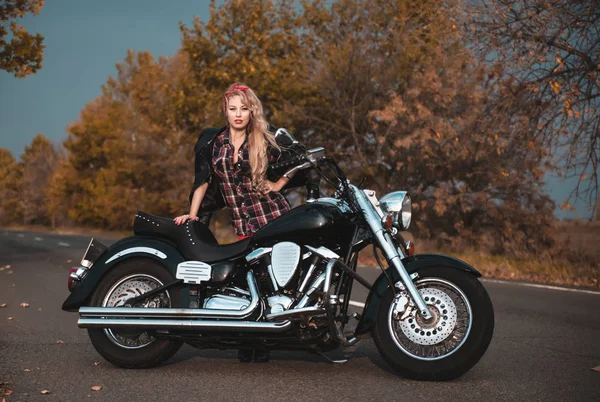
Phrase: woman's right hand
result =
(183, 218)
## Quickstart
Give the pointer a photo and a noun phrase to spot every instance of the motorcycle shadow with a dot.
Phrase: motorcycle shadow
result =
(364, 349)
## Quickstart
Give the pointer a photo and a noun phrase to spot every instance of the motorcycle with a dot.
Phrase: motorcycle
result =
(286, 287)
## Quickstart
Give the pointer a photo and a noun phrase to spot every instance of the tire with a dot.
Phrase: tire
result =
(419, 350)
(133, 349)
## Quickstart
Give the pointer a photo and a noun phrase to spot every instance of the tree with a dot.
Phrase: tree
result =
(37, 164)
(408, 106)
(257, 43)
(22, 55)
(10, 177)
(550, 51)
(125, 152)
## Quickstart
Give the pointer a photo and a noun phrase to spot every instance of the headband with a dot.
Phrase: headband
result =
(236, 87)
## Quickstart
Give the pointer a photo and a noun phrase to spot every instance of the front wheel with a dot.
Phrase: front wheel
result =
(450, 343)
(134, 348)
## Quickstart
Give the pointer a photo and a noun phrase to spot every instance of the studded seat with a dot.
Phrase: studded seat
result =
(194, 239)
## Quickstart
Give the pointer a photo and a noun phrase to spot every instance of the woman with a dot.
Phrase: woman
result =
(238, 157)
(231, 165)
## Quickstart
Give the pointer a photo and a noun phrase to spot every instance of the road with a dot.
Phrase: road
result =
(545, 346)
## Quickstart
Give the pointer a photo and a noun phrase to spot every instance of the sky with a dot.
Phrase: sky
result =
(84, 40)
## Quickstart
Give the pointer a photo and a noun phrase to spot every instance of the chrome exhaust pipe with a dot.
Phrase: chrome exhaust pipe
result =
(206, 325)
(174, 313)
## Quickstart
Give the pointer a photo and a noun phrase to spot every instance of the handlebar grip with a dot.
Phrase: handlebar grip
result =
(288, 164)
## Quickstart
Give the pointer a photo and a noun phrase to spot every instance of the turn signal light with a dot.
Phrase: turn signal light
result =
(410, 248)
(387, 222)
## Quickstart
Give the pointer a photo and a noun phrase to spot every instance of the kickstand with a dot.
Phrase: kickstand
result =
(330, 360)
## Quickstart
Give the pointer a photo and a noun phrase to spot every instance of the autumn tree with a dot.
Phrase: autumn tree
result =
(408, 106)
(550, 50)
(10, 178)
(22, 53)
(37, 164)
(257, 43)
(125, 151)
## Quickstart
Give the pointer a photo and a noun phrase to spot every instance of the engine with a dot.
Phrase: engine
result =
(287, 275)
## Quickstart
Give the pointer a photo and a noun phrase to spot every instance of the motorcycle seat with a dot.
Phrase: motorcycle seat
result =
(194, 239)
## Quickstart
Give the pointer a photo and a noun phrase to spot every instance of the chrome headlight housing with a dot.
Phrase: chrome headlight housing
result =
(399, 205)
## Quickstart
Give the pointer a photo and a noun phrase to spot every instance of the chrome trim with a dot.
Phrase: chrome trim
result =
(139, 312)
(147, 250)
(311, 270)
(315, 286)
(226, 302)
(193, 272)
(207, 325)
(340, 204)
(285, 258)
(369, 206)
(328, 274)
(323, 252)
(296, 312)
(259, 252)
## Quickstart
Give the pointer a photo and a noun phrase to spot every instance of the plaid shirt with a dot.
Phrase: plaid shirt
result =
(249, 210)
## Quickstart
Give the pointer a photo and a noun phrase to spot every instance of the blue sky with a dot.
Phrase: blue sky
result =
(84, 40)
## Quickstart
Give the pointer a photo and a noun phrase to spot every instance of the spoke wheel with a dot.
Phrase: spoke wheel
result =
(446, 346)
(441, 336)
(134, 348)
(118, 296)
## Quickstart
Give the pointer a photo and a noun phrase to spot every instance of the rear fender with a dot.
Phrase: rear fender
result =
(412, 264)
(129, 247)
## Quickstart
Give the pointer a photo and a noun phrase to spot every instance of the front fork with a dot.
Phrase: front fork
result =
(390, 251)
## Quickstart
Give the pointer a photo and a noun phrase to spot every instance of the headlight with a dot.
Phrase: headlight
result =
(399, 206)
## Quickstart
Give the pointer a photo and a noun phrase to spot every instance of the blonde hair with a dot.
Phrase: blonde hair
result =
(259, 136)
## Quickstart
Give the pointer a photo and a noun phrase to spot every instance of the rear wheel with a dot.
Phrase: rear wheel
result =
(449, 344)
(134, 349)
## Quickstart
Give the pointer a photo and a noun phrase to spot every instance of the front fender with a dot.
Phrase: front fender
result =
(129, 247)
(412, 264)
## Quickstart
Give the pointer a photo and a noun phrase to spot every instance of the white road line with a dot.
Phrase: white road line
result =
(38, 239)
(64, 244)
(533, 285)
(356, 304)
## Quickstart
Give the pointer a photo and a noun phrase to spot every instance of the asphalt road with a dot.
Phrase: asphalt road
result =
(545, 346)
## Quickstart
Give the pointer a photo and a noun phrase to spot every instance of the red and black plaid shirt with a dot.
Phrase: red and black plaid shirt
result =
(249, 210)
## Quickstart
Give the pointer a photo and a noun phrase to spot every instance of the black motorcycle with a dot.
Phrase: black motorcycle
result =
(286, 287)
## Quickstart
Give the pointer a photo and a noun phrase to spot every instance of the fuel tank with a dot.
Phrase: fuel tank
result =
(317, 223)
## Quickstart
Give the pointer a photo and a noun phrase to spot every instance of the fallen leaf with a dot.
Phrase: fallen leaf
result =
(24, 304)
(69, 261)
(44, 392)
(96, 388)
(60, 342)
(9, 318)
(597, 368)
(7, 266)
(8, 272)
(3, 399)
(2, 269)
(96, 363)
(27, 370)
(3, 305)
(8, 392)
